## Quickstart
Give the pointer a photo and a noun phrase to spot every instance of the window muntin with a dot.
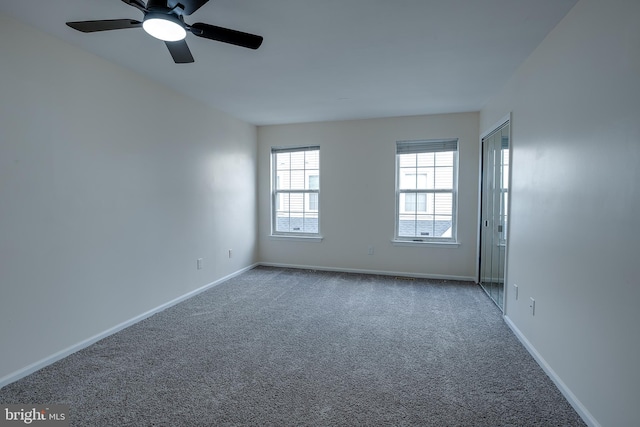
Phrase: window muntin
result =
(295, 195)
(426, 181)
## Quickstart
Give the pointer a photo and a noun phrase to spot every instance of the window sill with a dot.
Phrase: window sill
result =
(296, 237)
(427, 244)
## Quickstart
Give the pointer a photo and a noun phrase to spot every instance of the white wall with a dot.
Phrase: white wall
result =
(110, 188)
(357, 207)
(575, 231)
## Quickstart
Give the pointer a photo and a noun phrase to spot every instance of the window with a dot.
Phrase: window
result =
(426, 190)
(295, 190)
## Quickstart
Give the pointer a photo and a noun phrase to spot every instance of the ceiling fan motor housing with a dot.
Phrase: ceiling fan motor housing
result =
(165, 7)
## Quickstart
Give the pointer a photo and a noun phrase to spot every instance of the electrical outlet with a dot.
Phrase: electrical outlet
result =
(515, 291)
(370, 250)
(532, 306)
(199, 263)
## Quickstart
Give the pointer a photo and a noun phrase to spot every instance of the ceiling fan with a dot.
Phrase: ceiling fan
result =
(163, 19)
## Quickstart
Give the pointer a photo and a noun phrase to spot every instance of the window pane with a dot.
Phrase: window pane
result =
(297, 180)
(443, 178)
(282, 223)
(444, 158)
(310, 223)
(421, 203)
(312, 204)
(314, 182)
(442, 226)
(282, 202)
(283, 180)
(409, 202)
(407, 160)
(290, 224)
(282, 212)
(297, 203)
(443, 204)
(408, 179)
(424, 226)
(297, 160)
(312, 159)
(283, 161)
(421, 178)
(406, 225)
(425, 159)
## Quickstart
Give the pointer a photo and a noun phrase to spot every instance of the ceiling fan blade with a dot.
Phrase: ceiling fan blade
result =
(190, 6)
(138, 4)
(226, 35)
(180, 52)
(104, 25)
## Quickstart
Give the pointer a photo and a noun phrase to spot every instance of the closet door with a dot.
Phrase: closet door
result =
(494, 215)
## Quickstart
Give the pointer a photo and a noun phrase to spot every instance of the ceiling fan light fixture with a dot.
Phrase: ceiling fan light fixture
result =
(164, 27)
(163, 19)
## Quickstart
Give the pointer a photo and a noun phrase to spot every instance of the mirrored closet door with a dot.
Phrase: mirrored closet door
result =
(494, 215)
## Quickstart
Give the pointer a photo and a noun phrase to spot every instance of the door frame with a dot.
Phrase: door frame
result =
(504, 120)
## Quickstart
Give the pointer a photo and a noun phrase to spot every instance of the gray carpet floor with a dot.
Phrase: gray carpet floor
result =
(286, 347)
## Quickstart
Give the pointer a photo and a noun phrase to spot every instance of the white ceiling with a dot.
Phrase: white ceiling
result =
(324, 59)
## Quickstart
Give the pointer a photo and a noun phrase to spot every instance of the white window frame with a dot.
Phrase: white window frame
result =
(307, 192)
(426, 146)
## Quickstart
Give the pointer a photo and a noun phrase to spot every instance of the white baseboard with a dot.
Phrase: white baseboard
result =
(364, 271)
(15, 376)
(568, 394)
